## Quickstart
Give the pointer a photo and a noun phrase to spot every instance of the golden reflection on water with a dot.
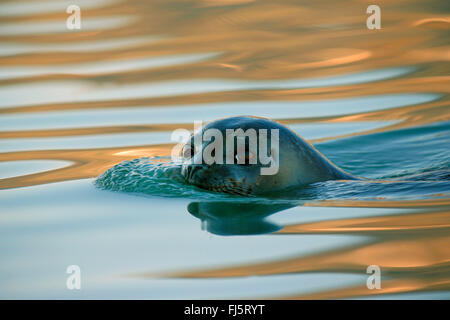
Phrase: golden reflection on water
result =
(411, 250)
(263, 40)
(86, 163)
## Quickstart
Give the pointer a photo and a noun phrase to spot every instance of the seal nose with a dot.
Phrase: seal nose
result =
(191, 170)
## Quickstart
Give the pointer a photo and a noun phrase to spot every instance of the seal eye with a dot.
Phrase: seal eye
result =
(187, 152)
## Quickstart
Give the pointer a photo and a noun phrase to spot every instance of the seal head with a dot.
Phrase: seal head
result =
(293, 161)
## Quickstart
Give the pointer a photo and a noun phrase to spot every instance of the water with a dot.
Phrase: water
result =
(85, 124)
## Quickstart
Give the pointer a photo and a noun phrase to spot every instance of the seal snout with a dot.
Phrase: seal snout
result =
(188, 171)
(214, 178)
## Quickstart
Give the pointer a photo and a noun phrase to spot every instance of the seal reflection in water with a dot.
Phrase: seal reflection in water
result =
(298, 162)
(231, 218)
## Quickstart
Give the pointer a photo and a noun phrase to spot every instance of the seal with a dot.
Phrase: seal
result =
(236, 218)
(298, 162)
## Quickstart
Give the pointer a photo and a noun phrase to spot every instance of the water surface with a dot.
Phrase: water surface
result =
(85, 123)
